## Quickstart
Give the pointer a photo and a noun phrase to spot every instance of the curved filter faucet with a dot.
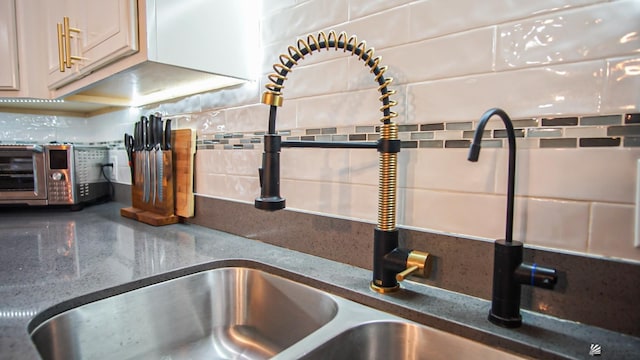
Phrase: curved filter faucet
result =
(474, 154)
(509, 272)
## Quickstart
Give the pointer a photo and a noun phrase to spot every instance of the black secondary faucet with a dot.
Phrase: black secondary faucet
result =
(391, 263)
(509, 272)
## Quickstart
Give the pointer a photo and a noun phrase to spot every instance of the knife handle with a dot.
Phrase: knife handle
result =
(158, 133)
(140, 139)
(128, 145)
(167, 135)
(136, 136)
(152, 132)
(145, 133)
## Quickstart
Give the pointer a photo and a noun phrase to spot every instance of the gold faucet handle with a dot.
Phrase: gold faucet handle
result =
(418, 262)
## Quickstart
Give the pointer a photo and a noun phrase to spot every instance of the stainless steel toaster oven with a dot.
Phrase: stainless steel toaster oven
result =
(52, 174)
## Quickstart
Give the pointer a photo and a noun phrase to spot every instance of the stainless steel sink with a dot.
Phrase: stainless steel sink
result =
(227, 313)
(241, 313)
(401, 340)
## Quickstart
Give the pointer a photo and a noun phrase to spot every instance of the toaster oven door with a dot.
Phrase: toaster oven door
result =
(22, 175)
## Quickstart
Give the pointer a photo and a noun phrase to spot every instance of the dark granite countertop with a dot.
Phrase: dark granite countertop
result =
(53, 256)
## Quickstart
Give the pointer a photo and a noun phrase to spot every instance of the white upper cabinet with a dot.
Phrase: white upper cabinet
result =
(126, 52)
(84, 35)
(185, 47)
(9, 71)
(22, 50)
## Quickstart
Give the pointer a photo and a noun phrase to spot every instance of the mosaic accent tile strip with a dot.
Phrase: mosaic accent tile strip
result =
(570, 121)
(632, 118)
(616, 130)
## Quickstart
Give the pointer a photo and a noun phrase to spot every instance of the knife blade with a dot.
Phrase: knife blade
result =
(159, 158)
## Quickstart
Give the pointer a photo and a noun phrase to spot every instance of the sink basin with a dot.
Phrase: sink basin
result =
(237, 313)
(401, 340)
(226, 313)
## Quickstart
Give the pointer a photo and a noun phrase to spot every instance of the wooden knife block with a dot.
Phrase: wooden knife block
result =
(177, 174)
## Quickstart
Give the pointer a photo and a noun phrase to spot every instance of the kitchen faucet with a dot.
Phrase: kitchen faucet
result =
(509, 272)
(391, 263)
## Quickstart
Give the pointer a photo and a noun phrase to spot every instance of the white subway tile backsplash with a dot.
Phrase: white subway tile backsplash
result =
(208, 184)
(123, 175)
(450, 56)
(621, 89)
(273, 6)
(363, 166)
(363, 202)
(243, 162)
(243, 94)
(360, 8)
(323, 197)
(606, 175)
(456, 213)
(435, 18)
(210, 162)
(315, 164)
(242, 188)
(449, 169)
(232, 187)
(303, 18)
(189, 104)
(317, 79)
(286, 115)
(611, 232)
(562, 89)
(526, 143)
(382, 30)
(352, 108)
(587, 33)
(253, 117)
(205, 123)
(556, 224)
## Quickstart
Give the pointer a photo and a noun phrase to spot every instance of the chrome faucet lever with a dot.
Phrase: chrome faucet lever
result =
(509, 272)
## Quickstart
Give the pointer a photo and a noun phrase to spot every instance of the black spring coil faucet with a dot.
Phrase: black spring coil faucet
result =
(509, 272)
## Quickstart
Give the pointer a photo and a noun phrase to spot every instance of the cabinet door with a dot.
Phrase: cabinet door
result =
(109, 31)
(55, 11)
(106, 31)
(9, 75)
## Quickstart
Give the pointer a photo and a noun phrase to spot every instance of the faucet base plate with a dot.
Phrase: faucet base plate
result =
(505, 322)
(384, 289)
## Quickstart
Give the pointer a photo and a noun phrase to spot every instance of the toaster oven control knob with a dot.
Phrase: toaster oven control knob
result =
(57, 176)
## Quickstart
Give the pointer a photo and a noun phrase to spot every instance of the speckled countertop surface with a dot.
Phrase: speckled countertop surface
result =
(54, 256)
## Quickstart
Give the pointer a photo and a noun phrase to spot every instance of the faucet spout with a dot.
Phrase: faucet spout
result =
(509, 271)
(474, 154)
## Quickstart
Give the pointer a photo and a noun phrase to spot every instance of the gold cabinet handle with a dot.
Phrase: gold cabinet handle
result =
(67, 36)
(61, 61)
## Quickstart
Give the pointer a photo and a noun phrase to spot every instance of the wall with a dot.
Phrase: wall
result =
(567, 71)
(18, 127)
(543, 62)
